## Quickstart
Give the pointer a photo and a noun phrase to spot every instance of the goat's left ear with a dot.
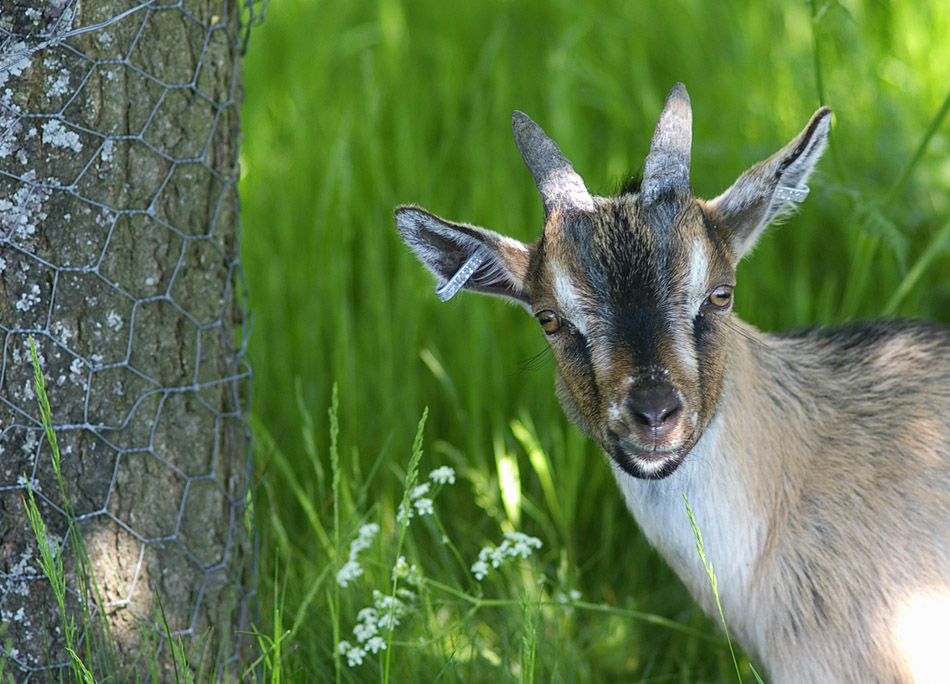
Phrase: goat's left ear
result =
(770, 189)
(466, 257)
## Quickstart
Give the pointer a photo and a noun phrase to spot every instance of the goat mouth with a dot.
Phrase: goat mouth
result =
(646, 463)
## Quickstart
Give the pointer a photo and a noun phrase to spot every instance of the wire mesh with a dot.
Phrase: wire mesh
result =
(119, 243)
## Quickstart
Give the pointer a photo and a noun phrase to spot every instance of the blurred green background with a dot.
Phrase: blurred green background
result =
(353, 107)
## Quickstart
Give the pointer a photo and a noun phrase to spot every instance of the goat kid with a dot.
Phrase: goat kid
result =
(817, 463)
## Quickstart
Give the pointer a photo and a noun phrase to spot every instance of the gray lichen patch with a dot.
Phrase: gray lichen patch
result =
(67, 375)
(76, 238)
(22, 582)
(19, 445)
(105, 336)
(22, 209)
(57, 73)
(41, 639)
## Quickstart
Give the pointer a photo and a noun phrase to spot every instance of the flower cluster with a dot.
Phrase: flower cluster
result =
(351, 569)
(443, 475)
(515, 545)
(420, 502)
(370, 622)
(387, 610)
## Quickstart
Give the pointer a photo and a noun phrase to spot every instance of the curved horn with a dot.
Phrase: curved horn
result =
(667, 166)
(559, 184)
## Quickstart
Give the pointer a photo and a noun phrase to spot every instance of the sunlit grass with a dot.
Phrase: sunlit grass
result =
(353, 108)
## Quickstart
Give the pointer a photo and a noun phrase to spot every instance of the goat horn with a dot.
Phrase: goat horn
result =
(559, 184)
(667, 166)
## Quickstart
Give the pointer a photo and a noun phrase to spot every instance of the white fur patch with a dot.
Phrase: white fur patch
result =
(698, 277)
(717, 499)
(614, 413)
(568, 299)
(697, 280)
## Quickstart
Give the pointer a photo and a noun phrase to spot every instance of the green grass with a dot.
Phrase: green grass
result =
(355, 107)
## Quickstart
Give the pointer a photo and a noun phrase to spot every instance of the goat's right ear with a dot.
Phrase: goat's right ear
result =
(466, 257)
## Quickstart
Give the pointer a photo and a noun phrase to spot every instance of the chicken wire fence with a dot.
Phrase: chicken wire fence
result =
(119, 243)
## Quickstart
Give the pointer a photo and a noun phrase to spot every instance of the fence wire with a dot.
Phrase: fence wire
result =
(119, 244)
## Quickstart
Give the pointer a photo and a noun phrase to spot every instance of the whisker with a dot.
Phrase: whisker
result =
(536, 362)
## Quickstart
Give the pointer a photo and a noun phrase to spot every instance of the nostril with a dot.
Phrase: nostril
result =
(653, 406)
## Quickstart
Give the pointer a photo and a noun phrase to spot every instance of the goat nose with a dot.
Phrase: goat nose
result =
(654, 407)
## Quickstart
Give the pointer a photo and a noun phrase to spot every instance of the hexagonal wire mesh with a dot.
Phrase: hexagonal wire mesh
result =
(119, 243)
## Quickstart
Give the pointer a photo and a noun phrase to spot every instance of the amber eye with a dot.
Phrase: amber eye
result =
(721, 297)
(550, 321)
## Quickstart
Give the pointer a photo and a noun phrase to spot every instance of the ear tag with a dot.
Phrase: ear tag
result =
(785, 193)
(449, 288)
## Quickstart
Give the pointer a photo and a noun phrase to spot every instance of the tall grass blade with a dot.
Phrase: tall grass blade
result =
(412, 476)
(936, 247)
(713, 582)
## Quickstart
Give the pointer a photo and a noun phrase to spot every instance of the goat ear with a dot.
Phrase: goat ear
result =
(771, 189)
(466, 257)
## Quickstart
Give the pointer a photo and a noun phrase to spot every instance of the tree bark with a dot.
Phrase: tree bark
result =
(119, 255)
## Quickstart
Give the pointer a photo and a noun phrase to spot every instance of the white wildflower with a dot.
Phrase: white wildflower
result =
(515, 545)
(520, 544)
(375, 645)
(388, 621)
(389, 608)
(363, 540)
(364, 631)
(351, 569)
(419, 491)
(354, 654)
(349, 572)
(443, 475)
(367, 615)
(423, 506)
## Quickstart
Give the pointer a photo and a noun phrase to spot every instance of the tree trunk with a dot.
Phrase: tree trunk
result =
(119, 255)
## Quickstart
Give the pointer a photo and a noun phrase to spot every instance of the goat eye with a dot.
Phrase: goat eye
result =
(721, 297)
(550, 321)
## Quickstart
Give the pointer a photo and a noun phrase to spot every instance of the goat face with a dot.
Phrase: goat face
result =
(634, 292)
(635, 302)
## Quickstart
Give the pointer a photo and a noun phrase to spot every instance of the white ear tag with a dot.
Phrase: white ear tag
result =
(785, 193)
(449, 288)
